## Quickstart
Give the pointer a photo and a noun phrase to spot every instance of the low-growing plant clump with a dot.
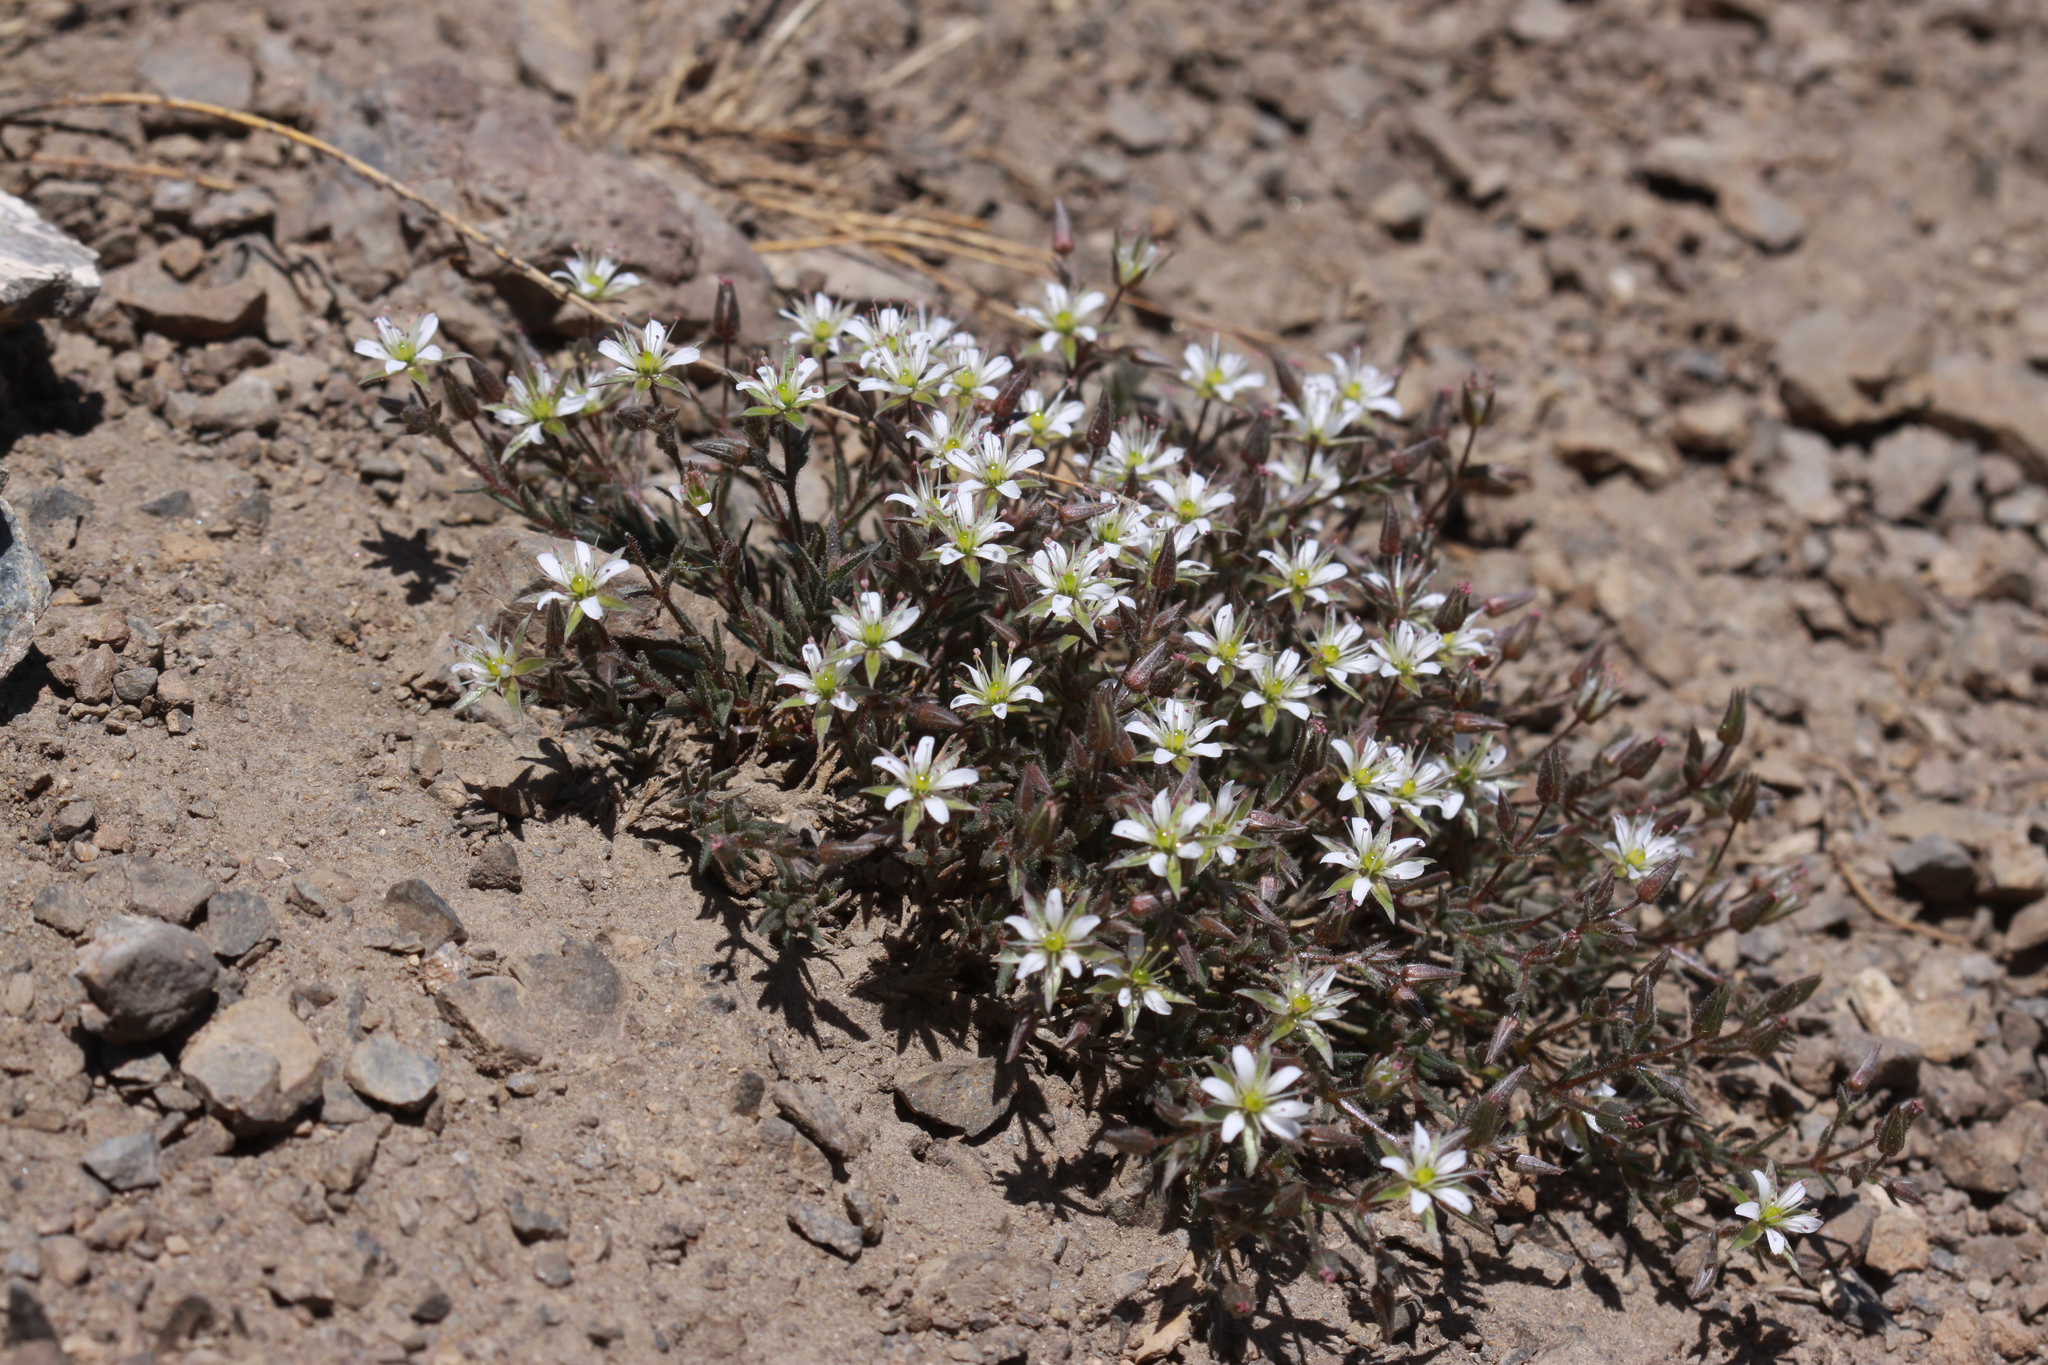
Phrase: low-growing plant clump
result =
(1140, 695)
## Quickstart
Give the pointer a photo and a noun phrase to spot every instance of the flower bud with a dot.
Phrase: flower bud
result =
(487, 383)
(1514, 642)
(1327, 1266)
(1477, 400)
(1406, 460)
(1062, 229)
(1865, 1072)
(1437, 420)
(462, 399)
(1145, 904)
(929, 715)
(1166, 568)
(1743, 806)
(1012, 393)
(1891, 1136)
(1657, 881)
(1503, 1033)
(1502, 605)
(1258, 440)
(1390, 531)
(1237, 1298)
(725, 313)
(1103, 423)
(1640, 758)
(418, 420)
(1550, 776)
(1736, 718)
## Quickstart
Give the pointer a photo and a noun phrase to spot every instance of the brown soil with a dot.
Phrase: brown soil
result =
(1763, 286)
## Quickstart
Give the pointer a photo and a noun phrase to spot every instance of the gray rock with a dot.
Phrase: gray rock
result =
(188, 312)
(495, 1022)
(172, 506)
(2004, 406)
(497, 868)
(1754, 212)
(236, 921)
(248, 402)
(251, 514)
(1402, 208)
(747, 1089)
(341, 1106)
(143, 978)
(135, 685)
(347, 1163)
(577, 990)
(535, 1223)
(391, 1073)
(72, 819)
(1907, 469)
(1836, 372)
(239, 210)
(54, 515)
(1135, 125)
(127, 1163)
(1937, 868)
(63, 907)
(817, 1118)
(24, 590)
(866, 1211)
(195, 65)
(165, 890)
(255, 1066)
(92, 677)
(961, 1094)
(551, 1267)
(416, 908)
(43, 273)
(826, 1229)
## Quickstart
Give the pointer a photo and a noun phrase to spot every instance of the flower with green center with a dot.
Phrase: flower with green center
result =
(994, 690)
(692, 493)
(819, 323)
(1216, 374)
(1363, 384)
(975, 377)
(992, 465)
(1771, 1215)
(1065, 320)
(1135, 451)
(580, 581)
(1432, 1172)
(537, 403)
(598, 280)
(821, 685)
(1637, 849)
(1137, 979)
(1165, 831)
(1134, 258)
(400, 350)
(1177, 733)
(941, 436)
(1338, 651)
(1222, 835)
(1405, 654)
(1301, 1002)
(643, 359)
(490, 665)
(1322, 415)
(1189, 503)
(1227, 644)
(1408, 782)
(1363, 765)
(1476, 762)
(787, 392)
(1278, 683)
(969, 535)
(1052, 938)
(1373, 863)
(1249, 1097)
(922, 779)
(1046, 420)
(909, 375)
(870, 630)
(1302, 574)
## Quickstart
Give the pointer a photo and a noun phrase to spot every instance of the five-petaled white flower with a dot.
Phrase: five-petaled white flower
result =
(644, 358)
(1302, 574)
(1770, 1214)
(1137, 978)
(536, 403)
(921, 782)
(992, 691)
(1363, 384)
(1189, 503)
(819, 323)
(598, 280)
(1637, 849)
(1476, 761)
(1226, 643)
(580, 582)
(1339, 650)
(1405, 654)
(1051, 938)
(1433, 1172)
(1279, 683)
(1177, 733)
(491, 664)
(1250, 1097)
(1046, 420)
(974, 376)
(1581, 1126)
(784, 393)
(403, 351)
(820, 683)
(1303, 1001)
(1372, 863)
(1363, 766)
(909, 375)
(968, 534)
(1133, 258)
(692, 493)
(1322, 415)
(1136, 450)
(1165, 829)
(993, 465)
(1214, 373)
(870, 630)
(1408, 781)
(1067, 580)
(1065, 318)
(941, 436)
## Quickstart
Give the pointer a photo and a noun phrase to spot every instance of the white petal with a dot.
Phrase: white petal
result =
(1233, 1125)
(1218, 1089)
(1455, 1197)
(1283, 1078)
(1418, 1201)
(939, 811)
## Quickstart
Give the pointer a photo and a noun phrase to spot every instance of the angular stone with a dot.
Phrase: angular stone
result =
(135, 685)
(1936, 868)
(240, 210)
(1983, 1159)
(417, 909)
(577, 990)
(1754, 212)
(255, 1066)
(1401, 208)
(492, 1015)
(1716, 425)
(964, 1094)
(1132, 123)
(1597, 442)
(24, 588)
(236, 921)
(347, 1163)
(826, 1229)
(391, 1073)
(552, 1268)
(175, 505)
(43, 273)
(496, 868)
(1881, 1006)
(144, 978)
(64, 907)
(127, 1163)
(1836, 372)
(165, 890)
(2005, 406)
(246, 403)
(534, 1222)
(196, 66)
(93, 678)
(1898, 1243)
(73, 818)
(816, 1117)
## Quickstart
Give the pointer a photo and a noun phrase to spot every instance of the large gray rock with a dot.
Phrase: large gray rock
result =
(1937, 868)
(24, 586)
(389, 1072)
(165, 890)
(143, 978)
(255, 1066)
(495, 1022)
(967, 1095)
(43, 273)
(419, 914)
(127, 1163)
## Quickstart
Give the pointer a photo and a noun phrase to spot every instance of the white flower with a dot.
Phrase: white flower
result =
(820, 683)
(1166, 831)
(926, 501)
(1468, 641)
(1771, 1214)
(1134, 258)
(643, 359)
(1067, 581)
(969, 534)
(1137, 978)
(1189, 503)
(1306, 477)
(1065, 318)
(1363, 766)
(1475, 760)
(870, 630)
(1222, 833)
(1214, 373)
(993, 691)
(1433, 1172)
(1338, 650)
(974, 377)
(1580, 1127)
(1407, 782)
(580, 582)
(1322, 415)
(1363, 384)
(1051, 939)
(910, 374)
(1126, 531)
(1637, 850)
(942, 437)
(1046, 420)
(1405, 654)
(1249, 1097)
(1226, 643)
(818, 323)
(401, 351)
(492, 664)
(1302, 574)
(1177, 733)
(598, 280)
(885, 329)
(921, 782)
(693, 494)
(785, 393)
(1279, 683)
(536, 403)
(1303, 1002)
(1134, 451)
(994, 466)
(1372, 863)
